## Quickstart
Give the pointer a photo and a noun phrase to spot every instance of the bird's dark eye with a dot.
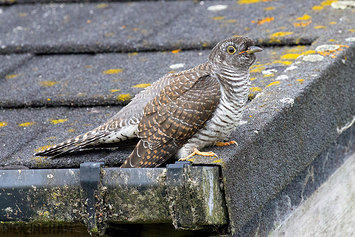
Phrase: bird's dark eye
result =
(231, 50)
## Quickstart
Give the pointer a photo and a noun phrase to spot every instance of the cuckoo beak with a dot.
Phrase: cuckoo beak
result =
(254, 49)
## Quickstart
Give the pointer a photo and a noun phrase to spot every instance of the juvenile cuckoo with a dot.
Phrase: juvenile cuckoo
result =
(180, 113)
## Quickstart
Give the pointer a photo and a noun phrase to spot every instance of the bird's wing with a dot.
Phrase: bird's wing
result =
(172, 117)
(126, 119)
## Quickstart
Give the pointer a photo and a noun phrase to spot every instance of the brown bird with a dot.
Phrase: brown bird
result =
(180, 113)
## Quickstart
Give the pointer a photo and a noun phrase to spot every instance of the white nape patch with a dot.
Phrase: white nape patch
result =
(350, 39)
(268, 72)
(290, 68)
(177, 66)
(288, 101)
(217, 8)
(242, 122)
(346, 126)
(313, 58)
(282, 77)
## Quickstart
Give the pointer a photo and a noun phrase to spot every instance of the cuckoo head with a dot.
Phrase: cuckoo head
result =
(235, 53)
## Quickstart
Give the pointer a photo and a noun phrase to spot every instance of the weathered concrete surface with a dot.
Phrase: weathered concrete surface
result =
(304, 94)
(329, 211)
(278, 209)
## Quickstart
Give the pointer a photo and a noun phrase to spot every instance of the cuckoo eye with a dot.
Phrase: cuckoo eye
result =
(231, 50)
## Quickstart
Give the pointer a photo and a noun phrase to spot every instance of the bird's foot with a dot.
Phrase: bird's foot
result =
(226, 143)
(197, 152)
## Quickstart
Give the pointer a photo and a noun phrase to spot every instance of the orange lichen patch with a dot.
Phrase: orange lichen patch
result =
(304, 17)
(3, 124)
(109, 34)
(218, 18)
(102, 5)
(11, 76)
(143, 85)
(253, 78)
(333, 52)
(302, 24)
(290, 56)
(71, 130)
(269, 8)
(255, 89)
(124, 97)
(320, 27)
(230, 21)
(332, 40)
(332, 23)
(248, 1)
(264, 20)
(176, 51)
(172, 71)
(47, 83)
(114, 90)
(132, 54)
(26, 124)
(113, 71)
(42, 148)
(352, 30)
(273, 83)
(88, 21)
(56, 121)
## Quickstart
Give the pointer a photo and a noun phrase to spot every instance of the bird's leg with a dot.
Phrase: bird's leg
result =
(226, 143)
(197, 152)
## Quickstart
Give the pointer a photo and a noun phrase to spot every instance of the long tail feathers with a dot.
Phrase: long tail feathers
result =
(72, 145)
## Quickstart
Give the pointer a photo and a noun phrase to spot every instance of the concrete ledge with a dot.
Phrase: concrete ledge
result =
(329, 211)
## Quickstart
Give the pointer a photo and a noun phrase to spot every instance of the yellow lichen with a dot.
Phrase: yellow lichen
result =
(43, 148)
(113, 71)
(12, 76)
(47, 83)
(273, 83)
(3, 124)
(269, 8)
(290, 56)
(248, 1)
(26, 124)
(124, 97)
(257, 69)
(255, 89)
(218, 18)
(304, 17)
(102, 5)
(115, 90)
(143, 85)
(280, 34)
(300, 81)
(56, 121)
(320, 27)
